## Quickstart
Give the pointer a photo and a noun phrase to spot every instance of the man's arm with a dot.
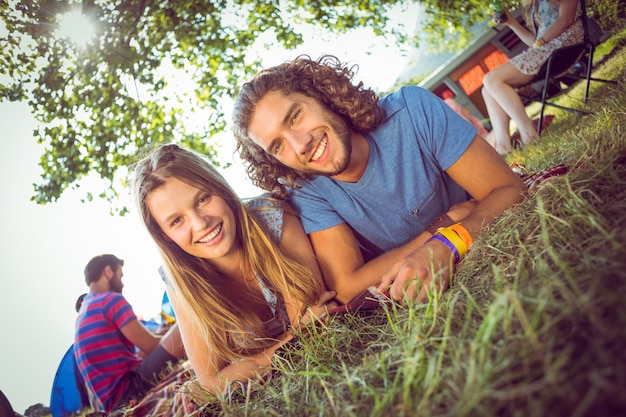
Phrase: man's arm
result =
(483, 173)
(140, 336)
(295, 243)
(341, 262)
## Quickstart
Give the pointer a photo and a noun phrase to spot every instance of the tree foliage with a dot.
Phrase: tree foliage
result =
(99, 105)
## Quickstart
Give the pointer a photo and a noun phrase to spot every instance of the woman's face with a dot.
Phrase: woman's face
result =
(201, 224)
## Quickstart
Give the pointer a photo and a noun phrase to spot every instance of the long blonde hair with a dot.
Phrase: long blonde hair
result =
(223, 321)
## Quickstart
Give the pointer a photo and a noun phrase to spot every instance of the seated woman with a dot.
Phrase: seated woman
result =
(554, 24)
(240, 275)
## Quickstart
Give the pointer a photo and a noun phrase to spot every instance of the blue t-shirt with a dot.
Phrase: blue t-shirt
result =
(405, 186)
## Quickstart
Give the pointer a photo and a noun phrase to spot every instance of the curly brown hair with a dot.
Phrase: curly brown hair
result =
(328, 81)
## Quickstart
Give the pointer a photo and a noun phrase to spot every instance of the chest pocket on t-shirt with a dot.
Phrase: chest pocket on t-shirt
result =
(425, 211)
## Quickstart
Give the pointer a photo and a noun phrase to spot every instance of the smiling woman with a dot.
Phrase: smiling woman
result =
(76, 27)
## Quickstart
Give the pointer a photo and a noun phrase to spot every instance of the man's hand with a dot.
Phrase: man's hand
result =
(430, 266)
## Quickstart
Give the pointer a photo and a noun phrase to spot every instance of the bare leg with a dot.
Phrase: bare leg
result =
(503, 102)
(499, 137)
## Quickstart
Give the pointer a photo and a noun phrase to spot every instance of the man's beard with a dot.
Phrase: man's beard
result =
(342, 132)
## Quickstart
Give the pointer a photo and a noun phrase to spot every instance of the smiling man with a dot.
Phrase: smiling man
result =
(368, 176)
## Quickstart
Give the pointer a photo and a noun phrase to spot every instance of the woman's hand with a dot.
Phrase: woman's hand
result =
(504, 18)
(318, 311)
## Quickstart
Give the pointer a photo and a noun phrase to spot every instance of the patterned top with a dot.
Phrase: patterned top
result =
(531, 60)
(270, 213)
(103, 354)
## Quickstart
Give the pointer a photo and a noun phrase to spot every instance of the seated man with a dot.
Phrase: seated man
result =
(107, 336)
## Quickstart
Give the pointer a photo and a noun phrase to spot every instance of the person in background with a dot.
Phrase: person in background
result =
(448, 97)
(108, 333)
(553, 24)
(239, 275)
(369, 175)
(79, 301)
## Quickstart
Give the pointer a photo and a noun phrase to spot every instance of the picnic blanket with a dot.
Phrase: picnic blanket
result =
(168, 398)
(534, 181)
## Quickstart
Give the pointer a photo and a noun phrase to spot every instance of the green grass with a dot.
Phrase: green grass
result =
(534, 323)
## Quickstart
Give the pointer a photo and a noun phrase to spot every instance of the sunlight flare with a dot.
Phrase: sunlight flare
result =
(75, 27)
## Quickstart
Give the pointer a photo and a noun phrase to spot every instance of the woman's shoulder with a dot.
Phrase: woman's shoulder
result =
(264, 201)
(269, 211)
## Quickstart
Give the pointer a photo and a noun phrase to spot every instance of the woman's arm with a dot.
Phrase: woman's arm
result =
(567, 16)
(215, 383)
(213, 373)
(295, 243)
(526, 35)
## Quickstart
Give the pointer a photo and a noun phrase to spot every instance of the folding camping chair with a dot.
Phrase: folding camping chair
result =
(558, 65)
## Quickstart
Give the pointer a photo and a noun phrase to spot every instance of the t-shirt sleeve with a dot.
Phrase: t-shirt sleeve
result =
(315, 212)
(446, 134)
(118, 311)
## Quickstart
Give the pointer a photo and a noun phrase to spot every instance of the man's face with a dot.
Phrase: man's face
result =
(301, 133)
(116, 284)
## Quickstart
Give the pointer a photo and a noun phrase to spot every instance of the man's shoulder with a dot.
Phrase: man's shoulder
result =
(405, 93)
(109, 295)
(408, 96)
(107, 298)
